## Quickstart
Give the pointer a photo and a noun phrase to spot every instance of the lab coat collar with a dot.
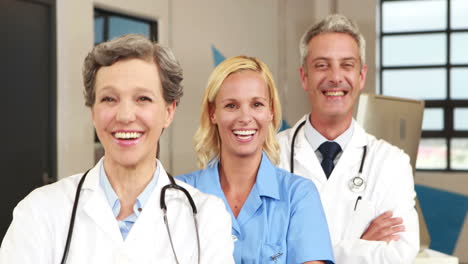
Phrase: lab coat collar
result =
(306, 157)
(96, 206)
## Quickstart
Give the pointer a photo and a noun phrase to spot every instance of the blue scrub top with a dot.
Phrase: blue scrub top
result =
(282, 220)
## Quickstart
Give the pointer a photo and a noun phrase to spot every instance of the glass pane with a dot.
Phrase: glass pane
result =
(98, 30)
(414, 50)
(460, 116)
(415, 83)
(459, 154)
(459, 10)
(432, 154)
(459, 83)
(119, 26)
(433, 119)
(458, 46)
(414, 15)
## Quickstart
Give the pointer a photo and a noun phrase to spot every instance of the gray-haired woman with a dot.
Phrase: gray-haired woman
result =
(132, 87)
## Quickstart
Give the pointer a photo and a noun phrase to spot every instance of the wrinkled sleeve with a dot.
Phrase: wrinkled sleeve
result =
(400, 199)
(308, 235)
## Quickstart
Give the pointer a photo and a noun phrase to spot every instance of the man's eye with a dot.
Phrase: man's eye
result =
(320, 65)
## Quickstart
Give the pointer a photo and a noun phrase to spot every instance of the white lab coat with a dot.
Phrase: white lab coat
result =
(40, 225)
(390, 186)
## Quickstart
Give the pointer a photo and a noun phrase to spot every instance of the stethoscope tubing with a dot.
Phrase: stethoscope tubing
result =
(172, 185)
(73, 217)
(291, 164)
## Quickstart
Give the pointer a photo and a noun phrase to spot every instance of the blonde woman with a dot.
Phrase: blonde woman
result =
(277, 217)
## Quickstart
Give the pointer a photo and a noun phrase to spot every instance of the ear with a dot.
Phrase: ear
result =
(303, 75)
(170, 112)
(362, 77)
(211, 112)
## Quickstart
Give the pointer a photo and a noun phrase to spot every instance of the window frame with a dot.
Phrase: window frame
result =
(99, 12)
(447, 105)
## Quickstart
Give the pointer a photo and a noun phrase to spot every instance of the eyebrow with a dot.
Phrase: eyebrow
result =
(233, 99)
(328, 58)
(137, 89)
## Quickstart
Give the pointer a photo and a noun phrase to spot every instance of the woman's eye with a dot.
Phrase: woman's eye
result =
(107, 99)
(144, 98)
(231, 106)
(258, 104)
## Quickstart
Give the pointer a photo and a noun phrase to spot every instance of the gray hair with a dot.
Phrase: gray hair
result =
(139, 47)
(335, 23)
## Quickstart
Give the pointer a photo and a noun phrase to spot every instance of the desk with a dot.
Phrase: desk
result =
(429, 256)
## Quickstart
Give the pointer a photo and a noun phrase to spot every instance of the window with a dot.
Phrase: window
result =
(109, 25)
(423, 56)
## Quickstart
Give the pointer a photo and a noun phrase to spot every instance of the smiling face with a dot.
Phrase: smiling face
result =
(129, 112)
(334, 76)
(242, 113)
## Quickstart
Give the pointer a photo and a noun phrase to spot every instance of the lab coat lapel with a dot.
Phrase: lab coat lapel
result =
(95, 205)
(306, 160)
(150, 221)
(349, 162)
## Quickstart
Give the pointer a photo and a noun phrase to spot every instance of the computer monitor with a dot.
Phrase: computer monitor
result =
(396, 120)
(399, 122)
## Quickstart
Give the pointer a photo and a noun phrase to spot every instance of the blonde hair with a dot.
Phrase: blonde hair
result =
(207, 142)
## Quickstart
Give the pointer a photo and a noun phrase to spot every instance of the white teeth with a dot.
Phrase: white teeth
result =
(334, 93)
(244, 132)
(127, 135)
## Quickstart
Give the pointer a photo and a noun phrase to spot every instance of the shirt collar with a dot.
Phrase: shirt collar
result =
(266, 182)
(112, 197)
(316, 139)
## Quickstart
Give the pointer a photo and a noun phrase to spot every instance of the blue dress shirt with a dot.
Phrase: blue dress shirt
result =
(126, 225)
(282, 220)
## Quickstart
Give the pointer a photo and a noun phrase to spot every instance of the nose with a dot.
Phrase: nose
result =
(245, 115)
(125, 112)
(335, 75)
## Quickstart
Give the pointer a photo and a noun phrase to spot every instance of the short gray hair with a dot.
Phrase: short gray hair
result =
(335, 23)
(139, 47)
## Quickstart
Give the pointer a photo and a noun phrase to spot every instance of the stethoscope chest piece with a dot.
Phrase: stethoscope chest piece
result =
(357, 184)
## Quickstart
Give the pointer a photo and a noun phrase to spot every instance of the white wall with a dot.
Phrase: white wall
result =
(74, 128)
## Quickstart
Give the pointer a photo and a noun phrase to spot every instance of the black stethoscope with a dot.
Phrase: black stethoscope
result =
(356, 184)
(172, 185)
